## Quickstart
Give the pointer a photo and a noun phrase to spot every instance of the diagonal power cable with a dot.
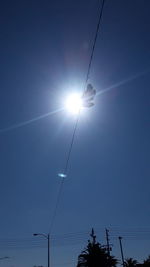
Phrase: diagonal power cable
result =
(95, 39)
(77, 120)
(65, 173)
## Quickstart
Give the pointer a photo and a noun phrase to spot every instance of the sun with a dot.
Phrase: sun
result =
(74, 103)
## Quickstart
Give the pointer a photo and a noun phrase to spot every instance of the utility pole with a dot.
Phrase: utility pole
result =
(121, 249)
(48, 239)
(107, 239)
(93, 236)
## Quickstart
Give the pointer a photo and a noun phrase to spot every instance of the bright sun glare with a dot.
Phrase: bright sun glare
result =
(74, 103)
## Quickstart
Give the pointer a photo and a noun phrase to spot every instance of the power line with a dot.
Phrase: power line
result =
(112, 231)
(75, 238)
(65, 173)
(77, 120)
(95, 39)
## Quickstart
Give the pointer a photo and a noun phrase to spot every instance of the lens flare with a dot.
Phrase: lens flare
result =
(62, 175)
(74, 103)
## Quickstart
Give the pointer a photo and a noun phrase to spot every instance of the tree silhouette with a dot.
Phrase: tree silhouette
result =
(95, 255)
(130, 262)
(147, 262)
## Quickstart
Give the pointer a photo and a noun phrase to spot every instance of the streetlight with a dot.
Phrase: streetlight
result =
(48, 239)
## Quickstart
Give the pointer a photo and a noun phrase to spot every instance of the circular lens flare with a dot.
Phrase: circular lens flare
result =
(62, 175)
(74, 103)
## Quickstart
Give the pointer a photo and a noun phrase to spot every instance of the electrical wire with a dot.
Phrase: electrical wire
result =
(65, 173)
(95, 39)
(77, 120)
(76, 238)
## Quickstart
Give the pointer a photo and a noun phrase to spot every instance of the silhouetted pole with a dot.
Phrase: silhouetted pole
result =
(48, 239)
(123, 263)
(107, 239)
(48, 246)
(93, 236)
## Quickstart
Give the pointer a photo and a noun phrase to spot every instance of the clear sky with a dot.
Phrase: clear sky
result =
(44, 53)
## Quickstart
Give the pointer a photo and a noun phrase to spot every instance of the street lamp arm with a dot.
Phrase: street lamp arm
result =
(40, 234)
(48, 241)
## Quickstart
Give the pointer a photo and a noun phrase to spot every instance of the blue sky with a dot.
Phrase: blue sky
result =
(44, 53)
